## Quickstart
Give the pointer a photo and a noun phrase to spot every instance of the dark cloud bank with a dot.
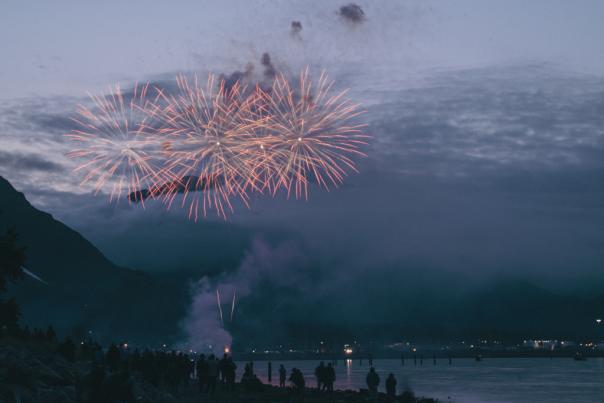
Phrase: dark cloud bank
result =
(473, 177)
(462, 169)
(21, 162)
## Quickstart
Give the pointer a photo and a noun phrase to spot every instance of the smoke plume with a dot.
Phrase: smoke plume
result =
(269, 69)
(277, 271)
(352, 13)
(296, 28)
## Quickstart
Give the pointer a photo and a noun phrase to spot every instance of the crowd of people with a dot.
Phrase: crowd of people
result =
(212, 370)
(373, 381)
(174, 370)
(112, 370)
(326, 376)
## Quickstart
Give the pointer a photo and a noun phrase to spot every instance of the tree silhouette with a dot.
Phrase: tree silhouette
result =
(113, 356)
(9, 314)
(12, 258)
(67, 349)
(51, 335)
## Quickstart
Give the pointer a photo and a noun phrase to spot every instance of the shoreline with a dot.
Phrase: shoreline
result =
(242, 357)
(43, 372)
(311, 395)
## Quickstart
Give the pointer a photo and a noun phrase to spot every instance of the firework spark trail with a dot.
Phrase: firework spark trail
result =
(233, 304)
(116, 151)
(219, 307)
(214, 143)
(33, 275)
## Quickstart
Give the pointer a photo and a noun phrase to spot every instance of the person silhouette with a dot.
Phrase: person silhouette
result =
(222, 368)
(230, 369)
(212, 374)
(330, 377)
(320, 375)
(282, 376)
(297, 379)
(373, 380)
(202, 372)
(391, 386)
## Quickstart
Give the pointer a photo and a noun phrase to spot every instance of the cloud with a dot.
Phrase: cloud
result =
(27, 162)
(51, 123)
(486, 121)
(463, 166)
(39, 119)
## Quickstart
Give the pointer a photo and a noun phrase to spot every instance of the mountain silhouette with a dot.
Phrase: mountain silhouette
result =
(86, 293)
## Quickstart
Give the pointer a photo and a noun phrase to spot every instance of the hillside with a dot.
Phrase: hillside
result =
(85, 291)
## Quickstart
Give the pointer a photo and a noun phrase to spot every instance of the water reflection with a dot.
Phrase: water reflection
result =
(510, 380)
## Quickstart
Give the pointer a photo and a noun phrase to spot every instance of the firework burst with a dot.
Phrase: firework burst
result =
(213, 142)
(204, 134)
(118, 154)
(309, 137)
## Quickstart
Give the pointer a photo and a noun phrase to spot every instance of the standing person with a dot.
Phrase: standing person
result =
(373, 380)
(247, 380)
(391, 386)
(212, 374)
(297, 379)
(230, 371)
(187, 369)
(202, 372)
(222, 366)
(320, 375)
(330, 377)
(270, 372)
(282, 375)
(172, 373)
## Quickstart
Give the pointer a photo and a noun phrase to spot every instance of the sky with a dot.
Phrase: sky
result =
(486, 123)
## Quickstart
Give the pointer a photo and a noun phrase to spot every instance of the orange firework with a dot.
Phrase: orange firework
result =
(213, 142)
(118, 153)
(310, 137)
(204, 135)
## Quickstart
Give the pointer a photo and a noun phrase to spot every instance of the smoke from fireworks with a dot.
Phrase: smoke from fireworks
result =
(260, 268)
(213, 142)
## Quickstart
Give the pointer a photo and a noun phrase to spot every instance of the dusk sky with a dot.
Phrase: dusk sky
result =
(486, 118)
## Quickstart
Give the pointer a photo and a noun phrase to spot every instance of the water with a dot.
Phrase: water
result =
(498, 380)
